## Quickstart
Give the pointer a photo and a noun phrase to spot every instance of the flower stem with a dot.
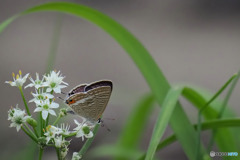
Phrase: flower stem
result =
(30, 131)
(56, 121)
(24, 100)
(58, 153)
(88, 143)
(41, 123)
(70, 135)
(47, 120)
(35, 131)
(30, 135)
(40, 153)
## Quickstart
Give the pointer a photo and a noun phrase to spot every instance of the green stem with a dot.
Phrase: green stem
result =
(35, 131)
(56, 121)
(47, 121)
(25, 102)
(31, 136)
(30, 131)
(88, 143)
(70, 135)
(40, 153)
(199, 126)
(41, 123)
(58, 153)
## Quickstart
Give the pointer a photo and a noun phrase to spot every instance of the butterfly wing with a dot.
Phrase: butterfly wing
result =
(77, 89)
(91, 103)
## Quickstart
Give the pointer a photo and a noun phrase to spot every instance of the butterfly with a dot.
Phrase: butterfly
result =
(90, 100)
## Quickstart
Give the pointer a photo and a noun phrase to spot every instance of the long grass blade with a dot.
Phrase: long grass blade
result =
(198, 155)
(163, 120)
(132, 132)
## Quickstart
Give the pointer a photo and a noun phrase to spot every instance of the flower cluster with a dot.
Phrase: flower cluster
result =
(18, 117)
(44, 101)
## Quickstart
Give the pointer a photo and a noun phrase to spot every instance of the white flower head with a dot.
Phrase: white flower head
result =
(64, 151)
(51, 132)
(18, 81)
(65, 129)
(76, 156)
(54, 82)
(17, 117)
(36, 83)
(46, 107)
(83, 130)
(41, 96)
(59, 141)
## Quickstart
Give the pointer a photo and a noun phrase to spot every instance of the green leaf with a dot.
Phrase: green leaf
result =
(153, 75)
(131, 133)
(163, 120)
(212, 124)
(224, 137)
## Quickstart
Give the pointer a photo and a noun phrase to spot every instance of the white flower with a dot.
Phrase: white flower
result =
(36, 83)
(19, 81)
(51, 132)
(54, 82)
(18, 117)
(46, 107)
(76, 156)
(65, 129)
(83, 130)
(59, 141)
(64, 151)
(41, 96)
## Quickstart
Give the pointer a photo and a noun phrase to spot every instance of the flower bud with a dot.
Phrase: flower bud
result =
(86, 130)
(63, 112)
(32, 122)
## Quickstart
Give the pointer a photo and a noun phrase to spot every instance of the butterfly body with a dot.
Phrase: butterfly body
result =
(90, 100)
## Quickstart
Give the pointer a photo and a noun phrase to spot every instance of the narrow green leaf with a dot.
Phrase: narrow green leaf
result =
(153, 75)
(212, 124)
(135, 124)
(163, 120)
(224, 137)
(198, 156)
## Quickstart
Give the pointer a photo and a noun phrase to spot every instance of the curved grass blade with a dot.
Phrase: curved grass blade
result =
(131, 134)
(212, 124)
(153, 75)
(224, 137)
(163, 120)
(223, 108)
(199, 127)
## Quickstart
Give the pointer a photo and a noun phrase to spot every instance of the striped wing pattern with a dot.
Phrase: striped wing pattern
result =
(91, 104)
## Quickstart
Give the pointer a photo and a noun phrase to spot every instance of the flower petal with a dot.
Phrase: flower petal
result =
(38, 109)
(54, 105)
(44, 114)
(57, 90)
(52, 112)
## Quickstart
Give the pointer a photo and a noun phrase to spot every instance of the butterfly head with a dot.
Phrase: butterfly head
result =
(70, 101)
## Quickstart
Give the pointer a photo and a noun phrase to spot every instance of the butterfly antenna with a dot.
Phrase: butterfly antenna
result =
(60, 98)
(104, 125)
(111, 119)
(63, 93)
(70, 112)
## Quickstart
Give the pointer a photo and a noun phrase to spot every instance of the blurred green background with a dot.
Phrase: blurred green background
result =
(192, 42)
